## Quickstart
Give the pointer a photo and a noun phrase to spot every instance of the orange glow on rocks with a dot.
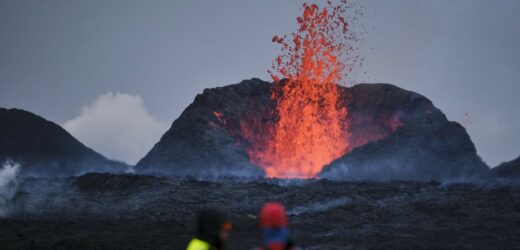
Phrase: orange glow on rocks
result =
(311, 128)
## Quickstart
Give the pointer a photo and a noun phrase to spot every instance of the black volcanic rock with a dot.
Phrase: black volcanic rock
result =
(508, 170)
(104, 211)
(396, 134)
(46, 149)
(426, 146)
(198, 144)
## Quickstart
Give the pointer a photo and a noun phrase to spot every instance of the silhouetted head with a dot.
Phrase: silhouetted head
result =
(213, 226)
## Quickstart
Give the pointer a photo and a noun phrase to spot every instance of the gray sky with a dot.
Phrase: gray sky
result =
(64, 60)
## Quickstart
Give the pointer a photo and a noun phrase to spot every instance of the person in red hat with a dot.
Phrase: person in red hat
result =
(274, 223)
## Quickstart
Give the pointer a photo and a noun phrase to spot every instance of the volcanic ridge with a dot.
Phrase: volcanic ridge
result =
(394, 134)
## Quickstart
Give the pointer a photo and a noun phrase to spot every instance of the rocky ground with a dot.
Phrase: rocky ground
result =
(102, 211)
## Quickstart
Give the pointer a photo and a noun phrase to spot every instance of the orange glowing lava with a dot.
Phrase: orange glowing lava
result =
(311, 127)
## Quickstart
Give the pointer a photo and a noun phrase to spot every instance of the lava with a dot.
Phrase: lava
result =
(311, 127)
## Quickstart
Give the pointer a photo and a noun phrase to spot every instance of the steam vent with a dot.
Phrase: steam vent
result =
(391, 133)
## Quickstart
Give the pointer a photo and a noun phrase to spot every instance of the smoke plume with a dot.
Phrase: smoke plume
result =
(319, 206)
(118, 126)
(8, 185)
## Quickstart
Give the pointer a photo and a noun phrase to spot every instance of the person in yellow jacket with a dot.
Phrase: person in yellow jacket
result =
(213, 228)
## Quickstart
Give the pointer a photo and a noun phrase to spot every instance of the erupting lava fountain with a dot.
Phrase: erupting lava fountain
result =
(311, 127)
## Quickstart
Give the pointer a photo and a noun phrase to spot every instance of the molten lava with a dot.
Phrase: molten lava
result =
(310, 129)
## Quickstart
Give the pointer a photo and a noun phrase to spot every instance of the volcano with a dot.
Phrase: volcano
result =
(307, 119)
(393, 133)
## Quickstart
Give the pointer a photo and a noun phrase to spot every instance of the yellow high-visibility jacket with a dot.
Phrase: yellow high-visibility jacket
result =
(196, 244)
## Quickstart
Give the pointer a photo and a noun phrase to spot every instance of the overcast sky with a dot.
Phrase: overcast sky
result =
(64, 60)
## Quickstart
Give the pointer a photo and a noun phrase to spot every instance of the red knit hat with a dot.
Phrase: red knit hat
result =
(272, 215)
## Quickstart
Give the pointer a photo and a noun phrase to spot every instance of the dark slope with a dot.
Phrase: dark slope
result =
(425, 146)
(45, 149)
(397, 134)
(197, 145)
(508, 170)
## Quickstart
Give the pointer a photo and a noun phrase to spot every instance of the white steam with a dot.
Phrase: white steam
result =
(8, 185)
(319, 206)
(118, 126)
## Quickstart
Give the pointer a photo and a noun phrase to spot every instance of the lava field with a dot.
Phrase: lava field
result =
(104, 211)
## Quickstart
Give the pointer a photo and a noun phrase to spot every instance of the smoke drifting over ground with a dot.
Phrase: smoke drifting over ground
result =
(319, 206)
(8, 185)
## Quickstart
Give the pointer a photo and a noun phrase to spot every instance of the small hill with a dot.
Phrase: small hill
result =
(508, 170)
(45, 149)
